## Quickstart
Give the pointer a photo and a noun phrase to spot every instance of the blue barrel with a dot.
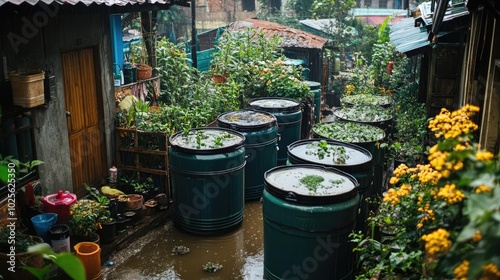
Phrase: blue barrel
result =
(349, 158)
(363, 135)
(207, 178)
(261, 137)
(289, 115)
(309, 212)
(315, 89)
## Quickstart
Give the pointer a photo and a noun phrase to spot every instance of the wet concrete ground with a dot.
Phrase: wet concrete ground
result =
(150, 257)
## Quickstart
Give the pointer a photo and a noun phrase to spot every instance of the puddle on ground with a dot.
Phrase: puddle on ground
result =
(150, 257)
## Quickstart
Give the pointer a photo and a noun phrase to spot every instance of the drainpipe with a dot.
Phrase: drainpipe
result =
(193, 34)
(116, 42)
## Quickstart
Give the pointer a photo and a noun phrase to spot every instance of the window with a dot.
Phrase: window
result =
(248, 5)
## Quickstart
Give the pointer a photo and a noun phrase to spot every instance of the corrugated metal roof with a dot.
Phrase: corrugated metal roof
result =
(291, 38)
(88, 2)
(409, 38)
(326, 25)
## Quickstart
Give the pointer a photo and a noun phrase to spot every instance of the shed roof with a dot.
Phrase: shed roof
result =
(411, 35)
(291, 38)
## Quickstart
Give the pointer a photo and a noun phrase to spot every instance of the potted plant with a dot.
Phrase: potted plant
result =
(140, 110)
(408, 153)
(106, 223)
(15, 255)
(86, 218)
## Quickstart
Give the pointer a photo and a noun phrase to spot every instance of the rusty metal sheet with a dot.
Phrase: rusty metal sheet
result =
(291, 38)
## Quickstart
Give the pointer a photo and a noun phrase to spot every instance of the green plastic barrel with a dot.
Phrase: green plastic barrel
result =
(309, 212)
(367, 114)
(261, 137)
(347, 157)
(315, 89)
(207, 177)
(367, 99)
(289, 115)
(364, 135)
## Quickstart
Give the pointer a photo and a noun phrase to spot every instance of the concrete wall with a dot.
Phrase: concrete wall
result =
(42, 35)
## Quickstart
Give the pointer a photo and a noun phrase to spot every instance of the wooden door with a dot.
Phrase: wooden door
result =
(84, 119)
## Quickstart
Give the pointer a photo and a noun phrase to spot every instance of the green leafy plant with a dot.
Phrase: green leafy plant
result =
(350, 132)
(322, 149)
(211, 267)
(22, 168)
(86, 217)
(68, 262)
(22, 241)
(365, 113)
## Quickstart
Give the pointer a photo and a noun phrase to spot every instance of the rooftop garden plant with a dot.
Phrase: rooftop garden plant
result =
(350, 132)
(367, 99)
(322, 149)
(364, 113)
(443, 216)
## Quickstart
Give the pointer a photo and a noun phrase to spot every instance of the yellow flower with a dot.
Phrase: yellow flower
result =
(490, 272)
(483, 189)
(477, 236)
(454, 124)
(484, 155)
(429, 214)
(437, 242)
(393, 180)
(462, 270)
(450, 194)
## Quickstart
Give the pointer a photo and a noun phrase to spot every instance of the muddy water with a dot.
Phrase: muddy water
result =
(239, 252)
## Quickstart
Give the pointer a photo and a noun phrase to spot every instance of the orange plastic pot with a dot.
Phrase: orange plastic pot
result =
(90, 255)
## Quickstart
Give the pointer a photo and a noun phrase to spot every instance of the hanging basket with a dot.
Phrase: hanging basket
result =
(27, 87)
(144, 71)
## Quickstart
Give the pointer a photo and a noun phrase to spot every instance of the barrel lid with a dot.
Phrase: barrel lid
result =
(275, 104)
(310, 184)
(367, 99)
(246, 120)
(364, 113)
(313, 85)
(351, 132)
(64, 198)
(328, 152)
(207, 140)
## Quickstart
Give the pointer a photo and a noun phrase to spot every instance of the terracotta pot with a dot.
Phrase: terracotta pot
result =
(134, 201)
(219, 79)
(144, 71)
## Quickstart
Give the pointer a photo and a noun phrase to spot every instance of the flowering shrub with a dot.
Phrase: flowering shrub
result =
(86, 217)
(445, 215)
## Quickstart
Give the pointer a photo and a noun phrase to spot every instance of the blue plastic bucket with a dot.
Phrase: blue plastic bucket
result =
(42, 224)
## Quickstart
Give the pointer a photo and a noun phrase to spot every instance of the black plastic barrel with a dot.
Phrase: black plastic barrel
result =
(261, 136)
(349, 158)
(207, 178)
(306, 228)
(364, 135)
(289, 115)
(315, 89)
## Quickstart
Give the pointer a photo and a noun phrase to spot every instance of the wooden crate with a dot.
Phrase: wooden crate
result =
(145, 153)
(27, 88)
